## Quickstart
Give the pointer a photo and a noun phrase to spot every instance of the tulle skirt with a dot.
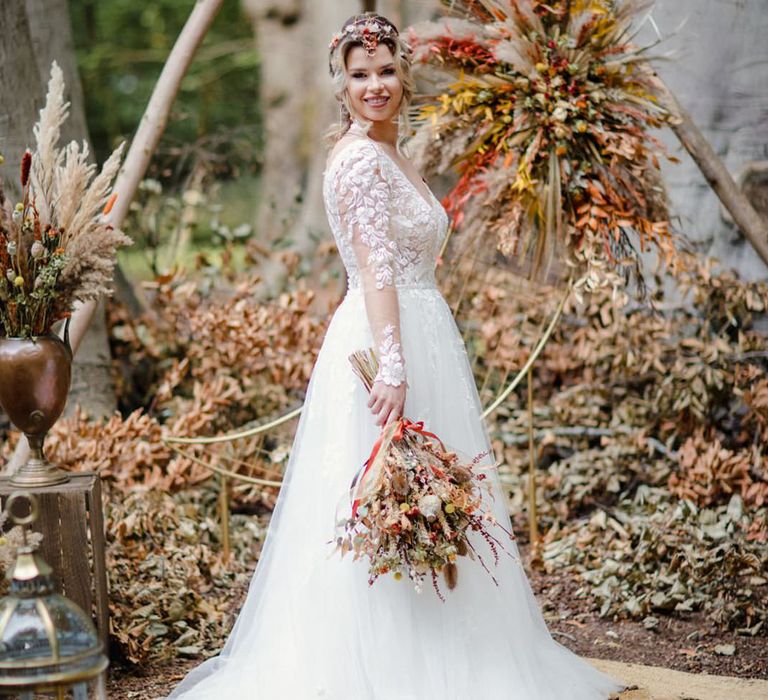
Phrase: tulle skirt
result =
(312, 627)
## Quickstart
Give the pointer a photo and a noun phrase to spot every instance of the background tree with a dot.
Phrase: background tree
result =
(121, 49)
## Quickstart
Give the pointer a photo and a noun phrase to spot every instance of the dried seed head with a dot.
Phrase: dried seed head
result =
(451, 574)
(400, 483)
(38, 250)
(461, 474)
(26, 165)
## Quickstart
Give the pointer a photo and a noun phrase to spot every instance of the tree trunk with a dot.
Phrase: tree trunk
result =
(32, 34)
(51, 34)
(292, 37)
(280, 28)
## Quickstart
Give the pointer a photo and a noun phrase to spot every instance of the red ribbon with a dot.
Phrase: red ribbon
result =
(366, 467)
(406, 424)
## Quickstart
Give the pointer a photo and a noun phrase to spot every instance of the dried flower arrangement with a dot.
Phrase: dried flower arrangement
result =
(547, 108)
(56, 246)
(414, 504)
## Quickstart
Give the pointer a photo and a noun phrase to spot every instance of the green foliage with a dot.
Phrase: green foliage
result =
(199, 228)
(121, 48)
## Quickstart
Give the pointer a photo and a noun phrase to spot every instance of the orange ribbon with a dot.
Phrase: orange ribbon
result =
(360, 477)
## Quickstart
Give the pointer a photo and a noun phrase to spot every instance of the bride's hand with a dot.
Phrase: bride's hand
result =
(386, 402)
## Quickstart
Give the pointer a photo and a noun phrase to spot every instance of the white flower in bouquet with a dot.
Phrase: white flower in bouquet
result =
(429, 506)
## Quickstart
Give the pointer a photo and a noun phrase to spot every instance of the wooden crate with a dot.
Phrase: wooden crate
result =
(71, 521)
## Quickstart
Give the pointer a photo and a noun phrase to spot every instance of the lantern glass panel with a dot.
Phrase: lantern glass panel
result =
(27, 656)
(24, 636)
(74, 629)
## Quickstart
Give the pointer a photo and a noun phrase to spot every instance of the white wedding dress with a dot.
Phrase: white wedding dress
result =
(311, 626)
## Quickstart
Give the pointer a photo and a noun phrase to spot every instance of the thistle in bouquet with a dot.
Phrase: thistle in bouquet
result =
(56, 245)
(415, 503)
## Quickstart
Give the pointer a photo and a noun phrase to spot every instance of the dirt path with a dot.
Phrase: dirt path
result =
(655, 683)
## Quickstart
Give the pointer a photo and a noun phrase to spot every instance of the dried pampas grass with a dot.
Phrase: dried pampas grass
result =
(57, 245)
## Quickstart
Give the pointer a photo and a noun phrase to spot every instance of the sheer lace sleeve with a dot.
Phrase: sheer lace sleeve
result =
(363, 195)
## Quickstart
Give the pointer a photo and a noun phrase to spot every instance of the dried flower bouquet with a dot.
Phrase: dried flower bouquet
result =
(414, 503)
(56, 246)
(547, 109)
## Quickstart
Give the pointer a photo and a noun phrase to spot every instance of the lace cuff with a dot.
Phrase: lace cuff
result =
(391, 363)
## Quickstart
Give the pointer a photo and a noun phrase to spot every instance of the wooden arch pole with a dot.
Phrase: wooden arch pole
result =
(143, 146)
(750, 223)
(533, 522)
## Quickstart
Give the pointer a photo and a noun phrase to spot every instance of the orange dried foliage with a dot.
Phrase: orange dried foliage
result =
(709, 473)
(689, 375)
(224, 363)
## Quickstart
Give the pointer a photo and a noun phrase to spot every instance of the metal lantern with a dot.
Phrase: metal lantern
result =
(48, 645)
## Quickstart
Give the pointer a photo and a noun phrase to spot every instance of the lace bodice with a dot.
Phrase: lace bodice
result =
(403, 230)
(388, 235)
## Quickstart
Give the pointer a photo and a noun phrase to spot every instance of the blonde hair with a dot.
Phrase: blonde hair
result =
(401, 53)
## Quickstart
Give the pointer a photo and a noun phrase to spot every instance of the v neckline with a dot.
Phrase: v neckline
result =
(429, 202)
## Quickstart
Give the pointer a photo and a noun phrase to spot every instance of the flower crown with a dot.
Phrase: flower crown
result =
(369, 31)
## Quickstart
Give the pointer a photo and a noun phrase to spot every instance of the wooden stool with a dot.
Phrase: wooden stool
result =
(71, 521)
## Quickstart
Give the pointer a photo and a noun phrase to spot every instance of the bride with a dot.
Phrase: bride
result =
(311, 626)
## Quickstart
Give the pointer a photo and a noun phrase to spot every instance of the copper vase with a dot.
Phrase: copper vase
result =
(35, 375)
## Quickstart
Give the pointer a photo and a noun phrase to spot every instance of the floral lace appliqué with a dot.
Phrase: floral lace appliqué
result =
(364, 203)
(364, 191)
(391, 364)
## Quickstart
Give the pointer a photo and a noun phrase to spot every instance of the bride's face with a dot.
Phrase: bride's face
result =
(374, 88)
